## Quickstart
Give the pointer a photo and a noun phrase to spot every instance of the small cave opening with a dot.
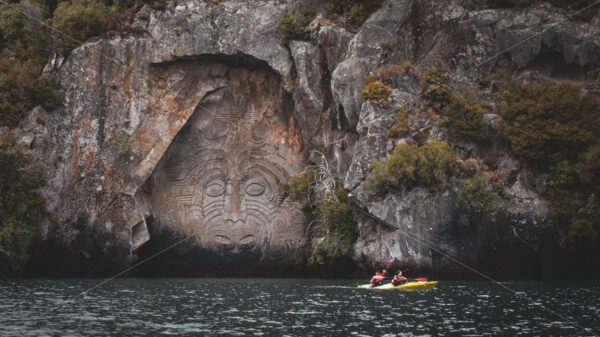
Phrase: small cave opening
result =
(217, 190)
(551, 65)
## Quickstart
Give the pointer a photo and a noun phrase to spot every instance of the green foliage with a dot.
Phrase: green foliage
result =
(590, 169)
(463, 113)
(400, 128)
(26, 51)
(411, 165)
(434, 86)
(306, 16)
(332, 212)
(299, 188)
(474, 195)
(378, 176)
(290, 26)
(563, 192)
(549, 123)
(23, 34)
(571, 192)
(464, 118)
(79, 19)
(22, 88)
(435, 159)
(335, 214)
(326, 249)
(357, 11)
(374, 90)
(21, 206)
(402, 164)
(12, 22)
(584, 229)
(294, 26)
(338, 222)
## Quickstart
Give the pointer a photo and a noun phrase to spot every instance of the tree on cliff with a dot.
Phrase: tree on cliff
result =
(329, 206)
(22, 207)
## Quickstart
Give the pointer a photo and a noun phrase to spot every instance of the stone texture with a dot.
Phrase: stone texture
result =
(134, 103)
(220, 179)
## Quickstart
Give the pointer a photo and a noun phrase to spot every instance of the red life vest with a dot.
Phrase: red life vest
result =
(376, 279)
(399, 280)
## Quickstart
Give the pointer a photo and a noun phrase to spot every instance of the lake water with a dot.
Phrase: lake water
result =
(291, 307)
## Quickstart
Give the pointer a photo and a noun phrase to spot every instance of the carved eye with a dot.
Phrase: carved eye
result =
(215, 188)
(255, 189)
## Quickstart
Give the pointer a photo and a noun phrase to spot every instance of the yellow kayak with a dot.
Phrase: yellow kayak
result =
(420, 285)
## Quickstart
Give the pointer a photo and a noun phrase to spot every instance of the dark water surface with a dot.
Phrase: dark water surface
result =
(291, 307)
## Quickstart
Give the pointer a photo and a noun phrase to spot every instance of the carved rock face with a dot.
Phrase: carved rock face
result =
(221, 177)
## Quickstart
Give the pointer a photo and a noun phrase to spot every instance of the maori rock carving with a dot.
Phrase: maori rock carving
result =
(221, 177)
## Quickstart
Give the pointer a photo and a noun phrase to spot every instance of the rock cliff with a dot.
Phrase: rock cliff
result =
(192, 125)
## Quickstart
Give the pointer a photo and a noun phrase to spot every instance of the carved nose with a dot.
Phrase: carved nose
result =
(233, 204)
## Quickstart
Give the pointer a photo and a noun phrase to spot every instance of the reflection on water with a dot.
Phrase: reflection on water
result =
(287, 307)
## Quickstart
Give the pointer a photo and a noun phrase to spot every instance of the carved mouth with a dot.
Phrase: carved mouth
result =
(247, 242)
(230, 239)
(224, 242)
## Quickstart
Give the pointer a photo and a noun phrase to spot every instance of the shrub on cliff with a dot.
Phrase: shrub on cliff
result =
(294, 26)
(25, 52)
(22, 32)
(357, 11)
(464, 118)
(330, 209)
(299, 188)
(375, 90)
(21, 206)
(290, 26)
(558, 128)
(586, 227)
(401, 165)
(400, 128)
(435, 159)
(434, 86)
(79, 19)
(22, 88)
(337, 221)
(378, 177)
(572, 192)
(475, 195)
(410, 165)
(463, 113)
(12, 23)
(549, 123)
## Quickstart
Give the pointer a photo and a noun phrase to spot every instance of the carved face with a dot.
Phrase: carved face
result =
(221, 178)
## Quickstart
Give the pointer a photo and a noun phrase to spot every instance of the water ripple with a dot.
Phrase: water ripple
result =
(289, 307)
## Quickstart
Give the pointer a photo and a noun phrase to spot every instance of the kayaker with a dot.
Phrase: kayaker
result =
(378, 278)
(399, 279)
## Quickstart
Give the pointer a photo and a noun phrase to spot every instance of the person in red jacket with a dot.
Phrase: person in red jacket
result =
(399, 279)
(378, 278)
